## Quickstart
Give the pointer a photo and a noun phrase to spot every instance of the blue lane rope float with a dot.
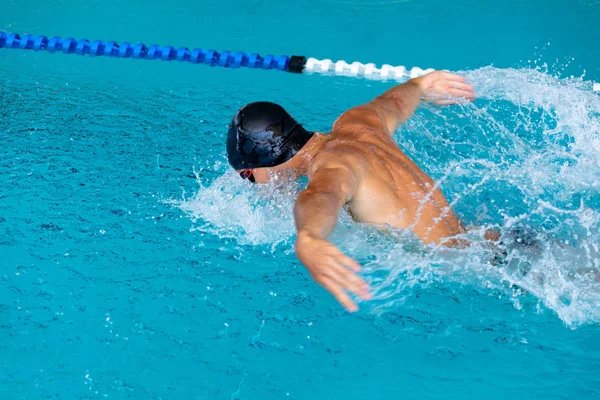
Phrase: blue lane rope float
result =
(213, 58)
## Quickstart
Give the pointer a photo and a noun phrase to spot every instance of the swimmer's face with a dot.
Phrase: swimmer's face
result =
(259, 175)
(253, 175)
(264, 175)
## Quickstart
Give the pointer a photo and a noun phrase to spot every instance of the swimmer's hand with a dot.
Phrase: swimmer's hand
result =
(440, 87)
(333, 270)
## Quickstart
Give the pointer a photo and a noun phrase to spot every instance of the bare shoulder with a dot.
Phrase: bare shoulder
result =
(362, 125)
(340, 152)
(363, 115)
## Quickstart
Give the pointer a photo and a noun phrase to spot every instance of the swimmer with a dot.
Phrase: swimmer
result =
(358, 165)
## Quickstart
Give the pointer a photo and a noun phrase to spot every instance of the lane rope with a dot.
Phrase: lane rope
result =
(213, 58)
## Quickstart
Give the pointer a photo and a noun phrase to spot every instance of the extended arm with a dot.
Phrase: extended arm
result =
(316, 209)
(316, 213)
(387, 111)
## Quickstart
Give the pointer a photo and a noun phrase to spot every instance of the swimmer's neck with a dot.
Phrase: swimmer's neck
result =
(302, 161)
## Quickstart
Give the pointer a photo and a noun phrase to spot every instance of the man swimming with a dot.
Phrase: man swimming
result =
(357, 164)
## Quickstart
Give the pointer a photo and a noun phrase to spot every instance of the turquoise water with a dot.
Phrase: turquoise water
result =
(134, 264)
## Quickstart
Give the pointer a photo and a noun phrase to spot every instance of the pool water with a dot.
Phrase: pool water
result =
(135, 264)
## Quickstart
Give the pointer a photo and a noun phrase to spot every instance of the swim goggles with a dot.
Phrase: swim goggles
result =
(247, 174)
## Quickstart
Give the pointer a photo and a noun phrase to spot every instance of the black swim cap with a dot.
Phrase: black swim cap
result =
(262, 135)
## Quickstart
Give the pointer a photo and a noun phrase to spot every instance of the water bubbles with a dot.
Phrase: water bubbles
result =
(87, 380)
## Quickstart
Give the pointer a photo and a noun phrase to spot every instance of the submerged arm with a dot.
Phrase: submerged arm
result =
(316, 213)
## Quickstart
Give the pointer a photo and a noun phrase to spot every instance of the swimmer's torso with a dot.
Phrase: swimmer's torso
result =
(392, 189)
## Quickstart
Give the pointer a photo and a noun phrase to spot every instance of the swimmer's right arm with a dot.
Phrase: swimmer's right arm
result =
(316, 213)
(398, 104)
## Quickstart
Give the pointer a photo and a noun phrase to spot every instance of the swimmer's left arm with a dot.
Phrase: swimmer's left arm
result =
(399, 103)
(392, 108)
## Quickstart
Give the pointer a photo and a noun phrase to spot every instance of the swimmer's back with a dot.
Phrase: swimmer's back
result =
(392, 189)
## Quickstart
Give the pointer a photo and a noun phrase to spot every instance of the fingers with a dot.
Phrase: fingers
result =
(462, 93)
(454, 89)
(455, 82)
(334, 271)
(349, 281)
(452, 77)
(449, 92)
(348, 262)
(460, 86)
(456, 100)
(339, 294)
(359, 286)
(445, 102)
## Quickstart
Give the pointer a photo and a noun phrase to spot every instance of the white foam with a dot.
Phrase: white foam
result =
(252, 214)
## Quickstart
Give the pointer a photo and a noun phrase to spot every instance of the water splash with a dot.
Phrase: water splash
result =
(252, 214)
(523, 160)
